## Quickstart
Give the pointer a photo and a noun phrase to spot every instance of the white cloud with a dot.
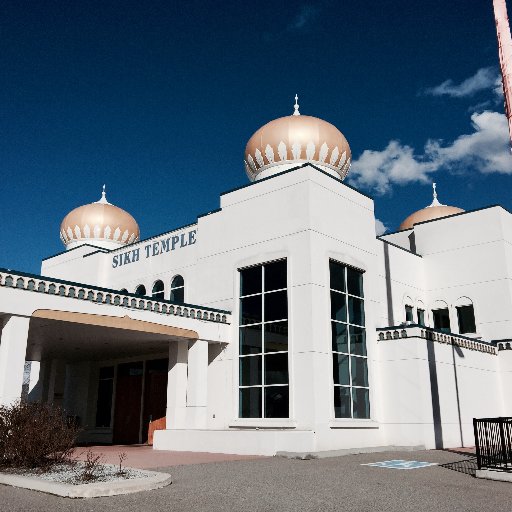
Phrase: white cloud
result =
(485, 150)
(380, 227)
(301, 22)
(306, 14)
(378, 170)
(483, 79)
(483, 105)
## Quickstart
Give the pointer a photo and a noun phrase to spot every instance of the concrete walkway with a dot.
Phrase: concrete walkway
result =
(144, 457)
(471, 450)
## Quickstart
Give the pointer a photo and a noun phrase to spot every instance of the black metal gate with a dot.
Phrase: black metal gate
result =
(493, 442)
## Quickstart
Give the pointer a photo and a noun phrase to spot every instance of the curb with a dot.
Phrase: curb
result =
(347, 451)
(93, 490)
(494, 474)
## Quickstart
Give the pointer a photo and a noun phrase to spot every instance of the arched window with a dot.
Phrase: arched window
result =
(465, 315)
(409, 309)
(140, 290)
(420, 311)
(158, 289)
(178, 289)
(441, 316)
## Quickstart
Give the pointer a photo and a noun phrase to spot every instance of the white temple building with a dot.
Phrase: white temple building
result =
(277, 323)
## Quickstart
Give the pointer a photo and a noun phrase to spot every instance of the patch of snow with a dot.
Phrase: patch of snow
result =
(71, 473)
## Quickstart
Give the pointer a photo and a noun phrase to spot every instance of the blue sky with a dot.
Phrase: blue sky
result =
(158, 99)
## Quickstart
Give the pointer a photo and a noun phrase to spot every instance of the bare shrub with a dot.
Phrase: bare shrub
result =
(122, 457)
(35, 435)
(92, 467)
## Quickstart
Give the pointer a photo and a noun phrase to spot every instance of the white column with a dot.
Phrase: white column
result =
(177, 384)
(37, 378)
(197, 386)
(44, 380)
(13, 349)
(35, 367)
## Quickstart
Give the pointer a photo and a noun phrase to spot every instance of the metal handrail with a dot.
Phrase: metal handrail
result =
(493, 443)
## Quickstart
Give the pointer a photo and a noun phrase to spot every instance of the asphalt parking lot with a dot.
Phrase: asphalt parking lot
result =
(276, 484)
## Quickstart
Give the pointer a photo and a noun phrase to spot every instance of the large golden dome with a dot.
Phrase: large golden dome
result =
(101, 224)
(434, 211)
(291, 140)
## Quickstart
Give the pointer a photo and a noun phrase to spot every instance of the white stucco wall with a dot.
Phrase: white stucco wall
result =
(308, 217)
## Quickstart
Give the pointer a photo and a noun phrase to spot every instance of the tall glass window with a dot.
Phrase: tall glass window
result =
(421, 317)
(408, 313)
(263, 342)
(350, 361)
(178, 289)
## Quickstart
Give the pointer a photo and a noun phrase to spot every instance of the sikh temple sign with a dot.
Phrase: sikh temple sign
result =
(156, 247)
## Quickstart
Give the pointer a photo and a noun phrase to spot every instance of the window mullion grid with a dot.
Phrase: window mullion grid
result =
(350, 386)
(263, 293)
(345, 273)
(263, 348)
(266, 293)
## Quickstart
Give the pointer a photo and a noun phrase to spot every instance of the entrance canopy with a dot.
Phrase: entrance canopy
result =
(82, 336)
(62, 322)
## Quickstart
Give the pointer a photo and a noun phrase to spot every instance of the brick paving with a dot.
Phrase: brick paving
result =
(144, 457)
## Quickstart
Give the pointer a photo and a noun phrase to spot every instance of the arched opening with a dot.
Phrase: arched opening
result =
(123, 290)
(140, 290)
(441, 316)
(158, 290)
(178, 289)
(409, 309)
(420, 313)
(465, 315)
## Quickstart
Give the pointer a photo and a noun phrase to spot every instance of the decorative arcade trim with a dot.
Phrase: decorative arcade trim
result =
(40, 284)
(417, 331)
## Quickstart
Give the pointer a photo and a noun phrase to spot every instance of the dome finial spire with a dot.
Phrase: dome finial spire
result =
(435, 201)
(296, 107)
(103, 199)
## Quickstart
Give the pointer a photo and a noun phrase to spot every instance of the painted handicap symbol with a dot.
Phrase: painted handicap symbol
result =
(400, 464)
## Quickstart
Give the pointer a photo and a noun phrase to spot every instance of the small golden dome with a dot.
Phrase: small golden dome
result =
(435, 211)
(101, 224)
(287, 141)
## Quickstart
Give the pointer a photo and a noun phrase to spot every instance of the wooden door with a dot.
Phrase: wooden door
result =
(155, 397)
(128, 403)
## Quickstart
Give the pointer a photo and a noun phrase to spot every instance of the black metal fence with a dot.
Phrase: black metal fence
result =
(493, 442)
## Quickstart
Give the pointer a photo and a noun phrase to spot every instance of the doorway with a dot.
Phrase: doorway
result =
(128, 402)
(155, 395)
(141, 396)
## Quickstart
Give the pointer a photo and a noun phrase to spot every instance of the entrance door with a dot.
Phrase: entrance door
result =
(128, 403)
(155, 395)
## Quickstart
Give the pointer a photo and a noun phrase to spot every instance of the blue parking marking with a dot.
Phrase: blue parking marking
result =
(400, 464)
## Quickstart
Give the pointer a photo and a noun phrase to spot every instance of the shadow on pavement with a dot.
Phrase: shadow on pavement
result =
(467, 466)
